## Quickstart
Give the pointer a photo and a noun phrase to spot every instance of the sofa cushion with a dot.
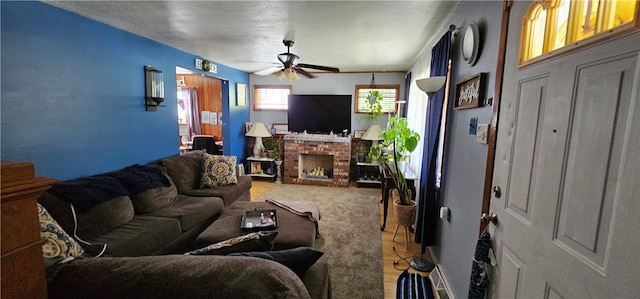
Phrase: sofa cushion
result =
(185, 170)
(155, 198)
(102, 218)
(191, 211)
(176, 276)
(297, 259)
(218, 171)
(229, 193)
(259, 241)
(143, 235)
(57, 243)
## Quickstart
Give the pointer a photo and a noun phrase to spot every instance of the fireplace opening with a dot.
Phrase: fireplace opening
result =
(315, 167)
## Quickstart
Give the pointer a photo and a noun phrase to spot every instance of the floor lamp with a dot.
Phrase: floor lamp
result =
(430, 86)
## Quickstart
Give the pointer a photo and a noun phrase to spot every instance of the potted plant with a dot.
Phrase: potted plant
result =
(374, 152)
(278, 150)
(375, 105)
(362, 152)
(402, 141)
(263, 152)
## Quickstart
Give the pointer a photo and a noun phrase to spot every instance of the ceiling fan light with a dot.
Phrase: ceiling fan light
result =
(279, 74)
(295, 76)
(289, 74)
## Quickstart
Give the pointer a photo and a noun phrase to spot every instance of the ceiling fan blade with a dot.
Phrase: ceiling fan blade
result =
(319, 67)
(268, 71)
(303, 72)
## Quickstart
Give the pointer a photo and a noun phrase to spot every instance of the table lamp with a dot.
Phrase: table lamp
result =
(373, 134)
(258, 130)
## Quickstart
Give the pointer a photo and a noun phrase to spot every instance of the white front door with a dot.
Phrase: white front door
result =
(568, 165)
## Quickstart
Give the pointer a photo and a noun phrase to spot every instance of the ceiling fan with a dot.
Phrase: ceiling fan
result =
(290, 66)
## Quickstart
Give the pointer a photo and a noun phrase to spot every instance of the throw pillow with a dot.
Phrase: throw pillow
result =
(259, 241)
(57, 243)
(297, 259)
(155, 198)
(218, 171)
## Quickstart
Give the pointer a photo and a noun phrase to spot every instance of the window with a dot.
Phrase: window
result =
(560, 24)
(389, 98)
(271, 97)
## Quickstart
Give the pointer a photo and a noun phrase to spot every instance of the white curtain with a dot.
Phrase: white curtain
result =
(417, 110)
(188, 100)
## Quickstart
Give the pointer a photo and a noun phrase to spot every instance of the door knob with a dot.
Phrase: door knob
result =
(493, 218)
(496, 191)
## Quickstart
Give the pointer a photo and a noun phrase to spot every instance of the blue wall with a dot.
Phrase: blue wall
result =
(73, 94)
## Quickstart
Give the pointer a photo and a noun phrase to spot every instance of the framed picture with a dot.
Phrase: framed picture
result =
(358, 133)
(470, 92)
(247, 127)
(241, 90)
(280, 128)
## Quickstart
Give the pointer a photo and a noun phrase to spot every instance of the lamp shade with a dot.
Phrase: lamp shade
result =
(373, 133)
(258, 130)
(432, 84)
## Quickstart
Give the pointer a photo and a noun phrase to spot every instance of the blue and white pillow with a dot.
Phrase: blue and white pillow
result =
(58, 244)
(218, 171)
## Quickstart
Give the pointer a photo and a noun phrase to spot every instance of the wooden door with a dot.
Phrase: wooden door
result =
(209, 99)
(568, 165)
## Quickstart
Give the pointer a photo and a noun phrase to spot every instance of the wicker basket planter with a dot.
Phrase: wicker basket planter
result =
(405, 214)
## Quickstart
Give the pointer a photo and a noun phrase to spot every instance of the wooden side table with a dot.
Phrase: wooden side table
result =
(23, 274)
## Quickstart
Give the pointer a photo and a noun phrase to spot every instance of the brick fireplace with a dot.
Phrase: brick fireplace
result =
(321, 160)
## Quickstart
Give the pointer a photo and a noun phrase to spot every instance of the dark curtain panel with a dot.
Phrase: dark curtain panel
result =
(188, 96)
(407, 86)
(428, 200)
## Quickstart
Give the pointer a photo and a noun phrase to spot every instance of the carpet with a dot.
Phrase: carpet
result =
(350, 236)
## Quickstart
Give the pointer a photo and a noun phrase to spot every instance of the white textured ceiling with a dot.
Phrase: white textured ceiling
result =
(355, 36)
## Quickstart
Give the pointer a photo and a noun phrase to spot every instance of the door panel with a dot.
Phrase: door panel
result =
(568, 163)
(593, 161)
(530, 106)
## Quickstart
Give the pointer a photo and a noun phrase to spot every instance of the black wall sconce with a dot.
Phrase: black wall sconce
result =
(154, 85)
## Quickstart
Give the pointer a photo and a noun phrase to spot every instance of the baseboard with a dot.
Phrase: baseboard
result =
(440, 284)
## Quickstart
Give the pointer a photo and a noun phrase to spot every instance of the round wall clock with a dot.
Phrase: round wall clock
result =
(470, 43)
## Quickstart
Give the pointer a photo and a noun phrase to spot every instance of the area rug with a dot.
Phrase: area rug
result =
(350, 236)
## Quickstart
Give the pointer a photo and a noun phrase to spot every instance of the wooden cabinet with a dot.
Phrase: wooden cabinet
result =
(22, 273)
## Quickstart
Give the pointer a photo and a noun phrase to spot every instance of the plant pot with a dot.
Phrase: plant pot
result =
(405, 215)
(263, 154)
(360, 158)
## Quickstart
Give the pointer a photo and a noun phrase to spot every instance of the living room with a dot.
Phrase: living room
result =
(72, 103)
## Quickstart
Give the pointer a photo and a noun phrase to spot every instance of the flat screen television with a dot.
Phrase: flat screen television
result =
(319, 114)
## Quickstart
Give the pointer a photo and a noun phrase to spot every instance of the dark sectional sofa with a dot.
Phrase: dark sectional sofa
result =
(145, 234)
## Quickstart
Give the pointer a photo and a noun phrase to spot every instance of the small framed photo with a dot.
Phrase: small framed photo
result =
(241, 90)
(280, 128)
(247, 127)
(358, 133)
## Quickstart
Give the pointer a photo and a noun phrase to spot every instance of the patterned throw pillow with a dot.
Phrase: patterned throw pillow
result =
(259, 241)
(218, 171)
(57, 243)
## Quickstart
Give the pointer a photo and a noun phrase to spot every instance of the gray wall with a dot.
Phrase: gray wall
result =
(325, 83)
(465, 159)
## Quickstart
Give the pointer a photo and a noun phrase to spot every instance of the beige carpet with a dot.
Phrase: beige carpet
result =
(350, 236)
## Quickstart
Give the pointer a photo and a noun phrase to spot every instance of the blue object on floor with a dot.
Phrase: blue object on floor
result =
(413, 286)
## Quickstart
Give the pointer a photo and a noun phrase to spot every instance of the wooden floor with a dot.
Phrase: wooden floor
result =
(390, 272)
